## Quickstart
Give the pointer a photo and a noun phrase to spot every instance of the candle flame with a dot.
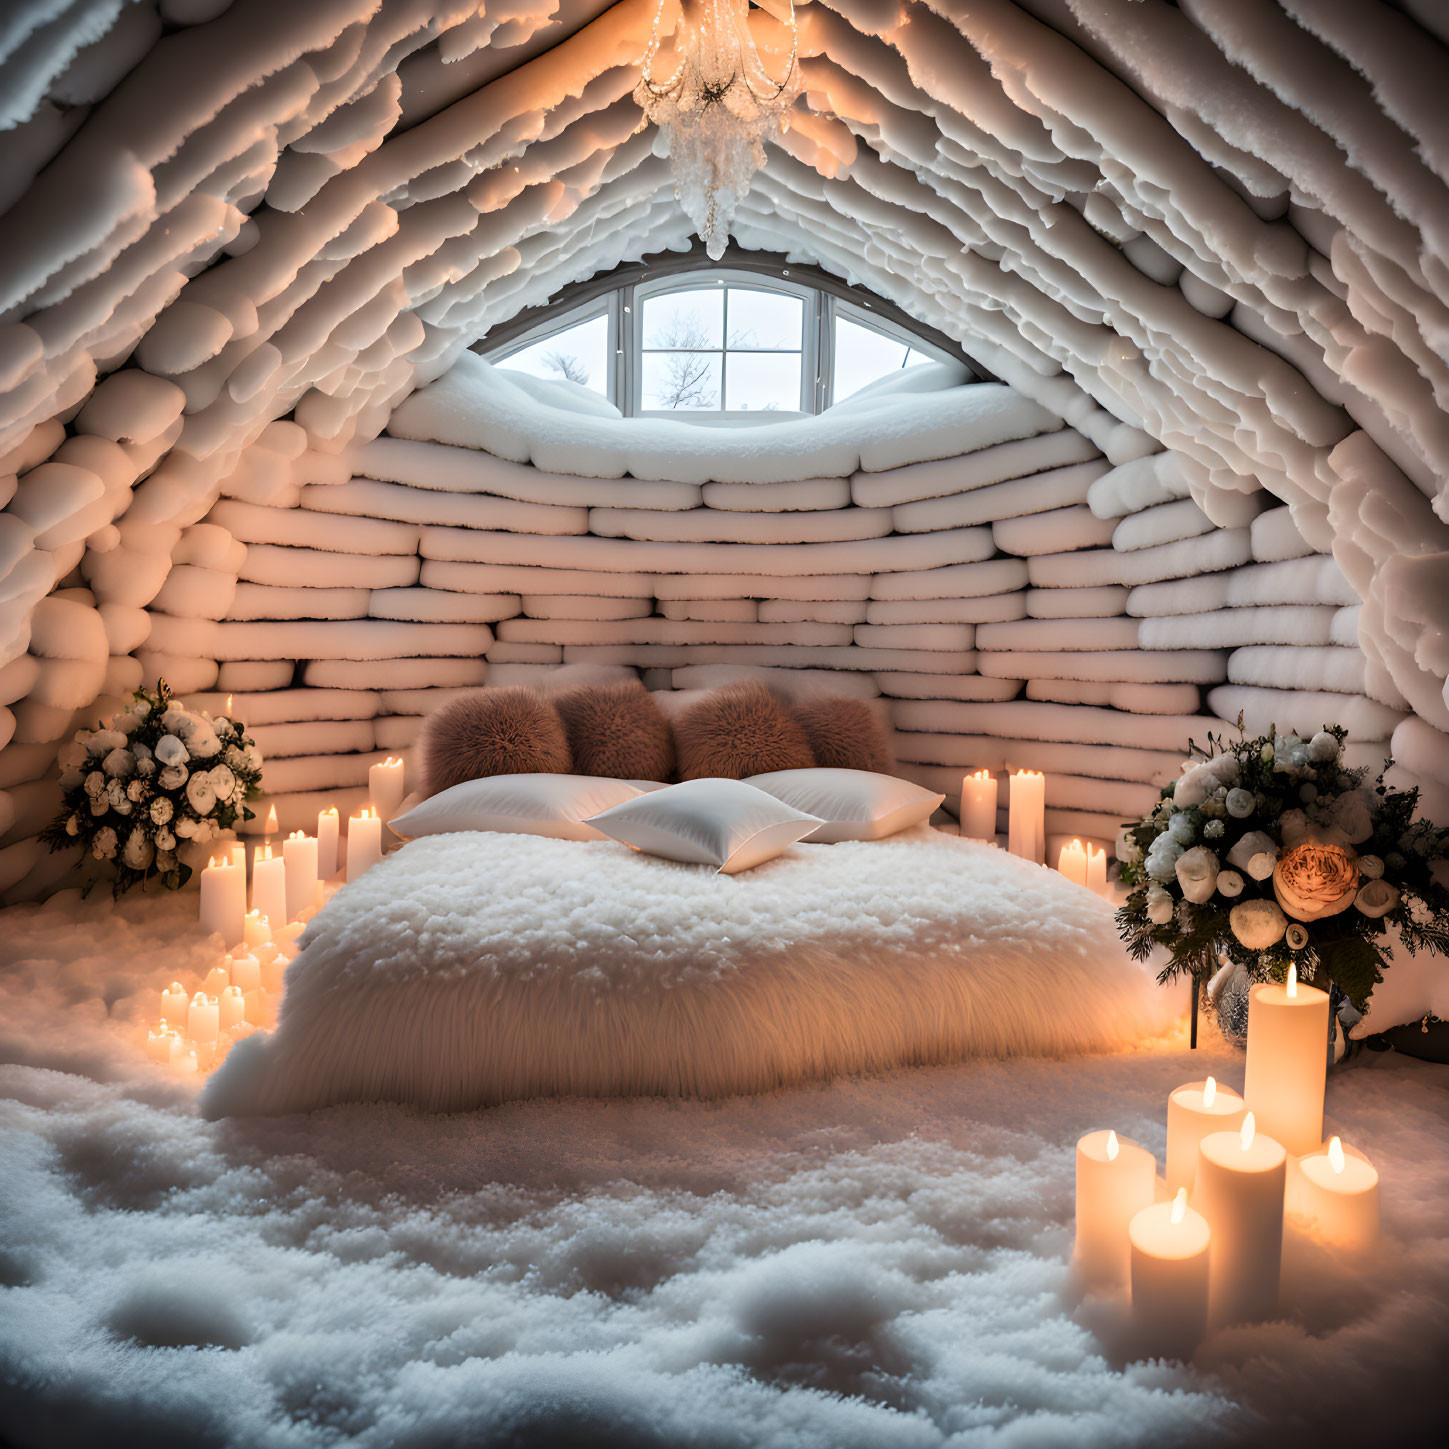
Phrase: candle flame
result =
(271, 820)
(298, 835)
(330, 810)
(1250, 1128)
(228, 704)
(1209, 1091)
(1027, 774)
(265, 853)
(1076, 844)
(176, 986)
(1292, 980)
(1335, 1153)
(981, 775)
(199, 999)
(1112, 1147)
(1179, 1206)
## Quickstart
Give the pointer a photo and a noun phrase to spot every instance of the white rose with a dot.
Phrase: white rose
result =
(1229, 883)
(161, 810)
(223, 782)
(1224, 769)
(127, 723)
(1197, 874)
(1377, 898)
(1240, 804)
(135, 791)
(95, 784)
(1192, 788)
(1351, 814)
(170, 751)
(102, 742)
(1128, 850)
(1163, 857)
(116, 793)
(1257, 924)
(236, 759)
(173, 777)
(200, 793)
(202, 741)
(145, 768)
(1159, 905)
(139, 850)
(184, 827)
(103, 847)
(176, 720)
(1181, 828)
(1255, 853)
(165, 840)
(1370, 867)
(1322, 748)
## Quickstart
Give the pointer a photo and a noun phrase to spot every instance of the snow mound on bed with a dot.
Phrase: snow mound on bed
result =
(471, 969)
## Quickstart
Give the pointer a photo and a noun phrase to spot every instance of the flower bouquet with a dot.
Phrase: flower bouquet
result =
(1269, 852)
(149, 780)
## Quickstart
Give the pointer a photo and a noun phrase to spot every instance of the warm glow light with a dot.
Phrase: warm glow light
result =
(1335, 1154)
(1112, 1147)
(330, 810)
(265, 853)
(298, 835)
(271, 820)
(1249, 1128)
(981, 775)
(1292, 980)
(228, 704)
(1209, 1091)
(1179, 1206)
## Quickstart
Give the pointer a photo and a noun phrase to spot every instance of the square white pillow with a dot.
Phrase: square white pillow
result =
(723, 823)
(552, 805)
(854, 804)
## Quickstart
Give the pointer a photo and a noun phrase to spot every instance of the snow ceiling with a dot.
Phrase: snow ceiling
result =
(239, 234)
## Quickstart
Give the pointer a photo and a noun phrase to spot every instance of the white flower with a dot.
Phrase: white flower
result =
(1353, 817)
(1213, 830)
(1163, 857)
(200, 793)
(1240, 804)
(1181, 828)
(1224, 768)
(1229, 883)
(135, 791)
(1322, 748)
(1266, 754)
(100, 805)
(184, 827)
(95, 784)
(176, 720)
(165, 840)
(1193, 787)
(173, 777)
(165, 861)
(253, 757)
(102, 742)
(103, 847)
(116, 793)
(139, 850)
(1256, 854)
(1377, 898)
(1159, 905)
(1370, 867)
(1257, 924)
(1128, 851)
(145, 767)
(127, 723)
(1296, 936)
(170, 751)
(161, 810)
(1197, 874)
(202, 741)
(236, 759)
(223, 782)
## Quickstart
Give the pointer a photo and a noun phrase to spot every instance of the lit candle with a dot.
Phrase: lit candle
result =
(223, 900)
(270, 828)
(258, 1008)
(1192, 1112)
(289, 939)
(217, 980)
(164, 1044)
(1287, 1060)
(1338, 1193)
(173, 1002)
(1239, 1190)
(244, 970)
(237, 854)
(231, 1008)
(1096, 870)
(1116, 1179)
(1170, 1276)
(203, 1018)
(327, 828)
(258, 930)
(269, 885)
(186, 1062)
(1072, 862)
(1026, 805)
(364, 842)
(385, 787)
(978, 806)
(299, 855)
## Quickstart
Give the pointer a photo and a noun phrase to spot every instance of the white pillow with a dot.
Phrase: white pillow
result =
(552, 805)
(723, 823)
(855, 804)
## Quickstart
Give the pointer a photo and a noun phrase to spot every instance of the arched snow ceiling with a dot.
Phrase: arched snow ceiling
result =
(1214, 226)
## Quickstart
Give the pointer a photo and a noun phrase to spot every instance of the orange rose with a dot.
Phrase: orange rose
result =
(1316, 878)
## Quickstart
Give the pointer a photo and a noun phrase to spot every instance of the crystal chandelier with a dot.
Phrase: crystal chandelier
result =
(716, 109)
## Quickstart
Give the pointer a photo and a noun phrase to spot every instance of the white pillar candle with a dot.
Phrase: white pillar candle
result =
(299, 856)
(164, 1044)
(385, 787)
(1026, 826)
(328, 822)
(364, 842)
(289, 939)
(173, 1002)
(186, 1062)
(217, 980)
(1239, 1190)
(258, 930)
(1096, 870)
(258, 1007)
(236, 852)
(978, 806)
(1192, 1112)
(274, 969)
(1287, 1059)
(223, 900)
(1072, 862)
(269, 886)
(203, 1018)
(244, 970)
(231, 1008)
(1337, 1191)
(1170, 1244)
(1116, 1179)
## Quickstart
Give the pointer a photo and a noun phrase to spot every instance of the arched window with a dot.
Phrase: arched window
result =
(722, 345)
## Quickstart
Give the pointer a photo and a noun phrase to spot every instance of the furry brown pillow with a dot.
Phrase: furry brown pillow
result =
(845, 734)
(511, 730)
(616, 730)
(738, 731)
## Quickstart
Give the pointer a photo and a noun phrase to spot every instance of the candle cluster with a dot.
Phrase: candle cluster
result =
(1205, 1245)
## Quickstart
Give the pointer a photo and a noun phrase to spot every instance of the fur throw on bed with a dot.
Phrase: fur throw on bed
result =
(739, 731)
(616, 730)
(470, 969)
(511, 730)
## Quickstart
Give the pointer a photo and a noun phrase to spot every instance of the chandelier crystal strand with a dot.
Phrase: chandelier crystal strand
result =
(716, 109)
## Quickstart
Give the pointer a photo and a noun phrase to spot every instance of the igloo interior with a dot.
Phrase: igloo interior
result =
(1111, 414)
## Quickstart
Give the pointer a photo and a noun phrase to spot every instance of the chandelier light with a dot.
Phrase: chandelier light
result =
(716, 109)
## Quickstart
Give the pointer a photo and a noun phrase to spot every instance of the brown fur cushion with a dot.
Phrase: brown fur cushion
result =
(846, 734)
(511, 730)
(616, 730)
(739, 731)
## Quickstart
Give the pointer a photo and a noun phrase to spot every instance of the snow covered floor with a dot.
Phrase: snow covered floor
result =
(876, 1263)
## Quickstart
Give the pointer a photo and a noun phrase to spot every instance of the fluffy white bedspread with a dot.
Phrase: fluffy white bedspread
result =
(471, 969)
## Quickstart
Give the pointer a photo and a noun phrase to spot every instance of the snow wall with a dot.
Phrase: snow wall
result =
(1210, 238)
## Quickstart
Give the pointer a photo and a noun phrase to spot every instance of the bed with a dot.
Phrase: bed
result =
(471, 969)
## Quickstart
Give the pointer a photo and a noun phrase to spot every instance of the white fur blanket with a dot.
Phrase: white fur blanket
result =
(470, 969)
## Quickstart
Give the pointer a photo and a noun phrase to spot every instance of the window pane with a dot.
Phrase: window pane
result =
(763, 382)
(862, 356)
(577, 354)
(685, 319)
(765, 319)
(681, 381)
